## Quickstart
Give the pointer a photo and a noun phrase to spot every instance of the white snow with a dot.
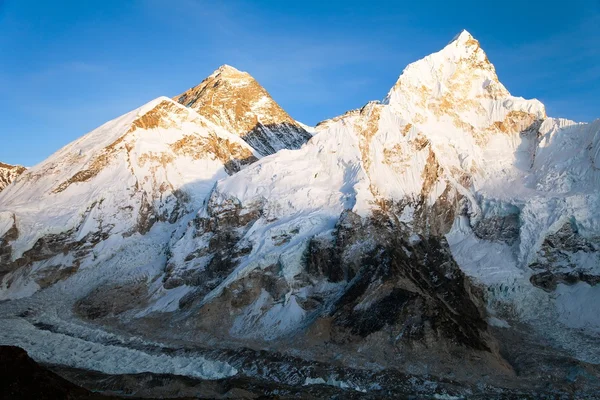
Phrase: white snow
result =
(48, 347)
(577, 306)
(269, 318)
(6, 222)
(546, 180)
(307, 128)
(142, 168)
(332, 381)
(447, 112)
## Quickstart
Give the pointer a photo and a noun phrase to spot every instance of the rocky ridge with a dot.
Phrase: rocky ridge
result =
(235, 101)
(8, 173)
(154, 164)
(450, 222)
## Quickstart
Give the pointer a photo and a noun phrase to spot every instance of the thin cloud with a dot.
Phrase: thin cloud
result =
(298, 65)
(65, 68)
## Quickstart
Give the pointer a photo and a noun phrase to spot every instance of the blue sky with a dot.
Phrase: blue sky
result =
(66, 67)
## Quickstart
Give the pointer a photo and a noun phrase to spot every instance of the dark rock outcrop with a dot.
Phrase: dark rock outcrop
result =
(23, 378)
(566, 257)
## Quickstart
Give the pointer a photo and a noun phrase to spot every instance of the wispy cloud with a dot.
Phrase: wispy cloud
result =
(82, 66)
(64, 69)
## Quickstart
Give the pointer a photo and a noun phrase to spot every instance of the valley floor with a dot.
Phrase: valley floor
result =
(120, 364)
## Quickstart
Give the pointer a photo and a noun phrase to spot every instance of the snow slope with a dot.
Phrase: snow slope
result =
(153, 164)
(167, 217)
(449, 152)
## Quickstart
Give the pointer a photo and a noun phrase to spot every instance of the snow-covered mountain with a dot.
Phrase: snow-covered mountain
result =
(156, 163)
(235, 101)
(449, 231)
(8, 173)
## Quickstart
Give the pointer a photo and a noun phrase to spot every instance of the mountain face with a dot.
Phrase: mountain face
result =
(447, 234)
(235, 101)
(154, 164)
(8, 173)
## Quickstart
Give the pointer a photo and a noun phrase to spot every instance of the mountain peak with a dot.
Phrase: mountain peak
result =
(460, 85)
(227, 67)
(464, 37)
(465, 47)
(227, 71)
(235, 101)
(461, 67)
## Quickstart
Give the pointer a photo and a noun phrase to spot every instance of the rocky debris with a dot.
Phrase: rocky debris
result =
(544, 371)
(279, 377)
(235, 101)
(274, 376)
(112, 300)
(9, 173)
(498, 228)
(566, 257)
(275, 373)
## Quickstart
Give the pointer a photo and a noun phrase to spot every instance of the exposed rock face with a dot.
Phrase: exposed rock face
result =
(406, 238)
(567, 257)
(220, 233)
(498, 228)
(409, 288)
(368, 285)
(8, 234)
(237, 102)
(155, 164)
(9, 173)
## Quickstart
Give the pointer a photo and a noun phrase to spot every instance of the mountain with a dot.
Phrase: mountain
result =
(8, 173)
(441, 242)
(154, 164)
(235, 101)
